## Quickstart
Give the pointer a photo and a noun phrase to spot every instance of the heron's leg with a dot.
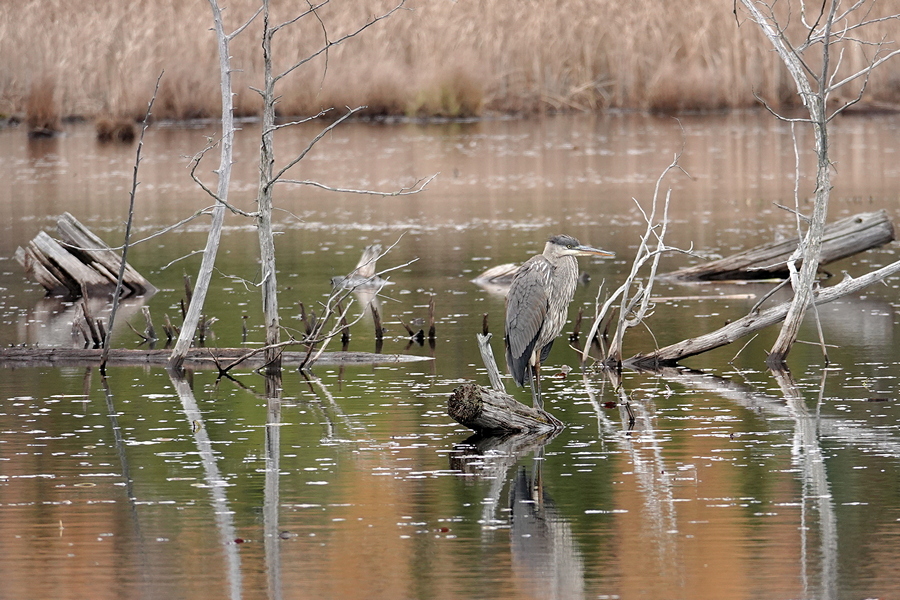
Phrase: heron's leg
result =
(536, 387)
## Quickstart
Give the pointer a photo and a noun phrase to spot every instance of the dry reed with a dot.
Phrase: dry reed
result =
(442, 57)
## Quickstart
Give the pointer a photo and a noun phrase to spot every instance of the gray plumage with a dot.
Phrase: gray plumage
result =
(537, 306)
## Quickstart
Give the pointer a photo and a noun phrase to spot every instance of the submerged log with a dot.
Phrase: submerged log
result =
(197, 358)
(490, 412)
(841, 239)
(79, 264)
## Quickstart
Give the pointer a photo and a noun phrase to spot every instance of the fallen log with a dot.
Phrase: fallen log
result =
(490, 412)
(670, 355)
(841, 239)
(197, 358)
(78, 264)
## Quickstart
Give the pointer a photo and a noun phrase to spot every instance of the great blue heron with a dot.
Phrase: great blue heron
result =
(537, 304)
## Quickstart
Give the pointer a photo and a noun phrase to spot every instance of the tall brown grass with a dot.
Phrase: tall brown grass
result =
(442, 57)
(41, 112)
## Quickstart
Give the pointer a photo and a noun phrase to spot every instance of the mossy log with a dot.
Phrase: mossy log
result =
(488, 411)
(841, 239)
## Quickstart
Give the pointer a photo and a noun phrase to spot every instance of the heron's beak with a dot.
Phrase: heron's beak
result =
(590, 251)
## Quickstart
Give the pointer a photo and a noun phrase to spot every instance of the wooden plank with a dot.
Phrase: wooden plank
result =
(842, 238)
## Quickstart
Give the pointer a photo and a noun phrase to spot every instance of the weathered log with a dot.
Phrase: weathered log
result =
(32, 264)
(488, 412)
(670, 355)
(94, 252)
(78, 278)
(82, 264)
(197, 358)
(841, 239)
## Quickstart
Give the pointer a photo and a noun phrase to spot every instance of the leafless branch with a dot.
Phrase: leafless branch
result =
(341, 39)
(238, 31)
(195, 162)
(417, 187)
(315, 140)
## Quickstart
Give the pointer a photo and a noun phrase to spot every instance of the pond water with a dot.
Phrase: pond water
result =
(354, 483)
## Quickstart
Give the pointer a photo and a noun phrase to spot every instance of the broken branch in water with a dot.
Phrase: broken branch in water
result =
(670, 355)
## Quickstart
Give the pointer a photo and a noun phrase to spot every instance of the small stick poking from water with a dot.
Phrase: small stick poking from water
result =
(576, 329)
(303, 317)
(345, 330)
(376, 317)
(170, 330)
(484, 324)
(188, 288)
(431, 320)
(406, 327)
(150, 331)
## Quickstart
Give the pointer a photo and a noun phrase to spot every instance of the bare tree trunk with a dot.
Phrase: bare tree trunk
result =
(814, 101)
(803, 285)
(269, 283)
(192, 318)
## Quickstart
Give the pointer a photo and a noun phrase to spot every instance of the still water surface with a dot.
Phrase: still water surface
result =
(355, 484)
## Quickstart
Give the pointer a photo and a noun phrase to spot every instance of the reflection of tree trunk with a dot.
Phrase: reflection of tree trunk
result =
(214, 482)
(126, 471)
(807, 456)
(272, 499)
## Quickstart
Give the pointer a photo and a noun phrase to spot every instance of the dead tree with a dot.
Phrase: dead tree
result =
(195, 310)
(806, 45)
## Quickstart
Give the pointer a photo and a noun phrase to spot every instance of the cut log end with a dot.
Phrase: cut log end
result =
(488, 411)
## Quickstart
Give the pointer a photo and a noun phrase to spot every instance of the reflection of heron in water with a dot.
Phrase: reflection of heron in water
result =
(544, 551)
(537, 305)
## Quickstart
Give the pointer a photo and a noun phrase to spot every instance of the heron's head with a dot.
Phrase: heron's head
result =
(566, 245)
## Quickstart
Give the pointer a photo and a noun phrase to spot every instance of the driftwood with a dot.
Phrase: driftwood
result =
(487, 411)
(79, 264)
(670, 355)
(841, 239)
(197, 358)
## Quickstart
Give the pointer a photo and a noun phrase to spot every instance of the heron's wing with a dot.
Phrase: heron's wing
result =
(526, 309)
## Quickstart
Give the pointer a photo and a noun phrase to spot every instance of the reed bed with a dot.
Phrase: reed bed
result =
(440, 58)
